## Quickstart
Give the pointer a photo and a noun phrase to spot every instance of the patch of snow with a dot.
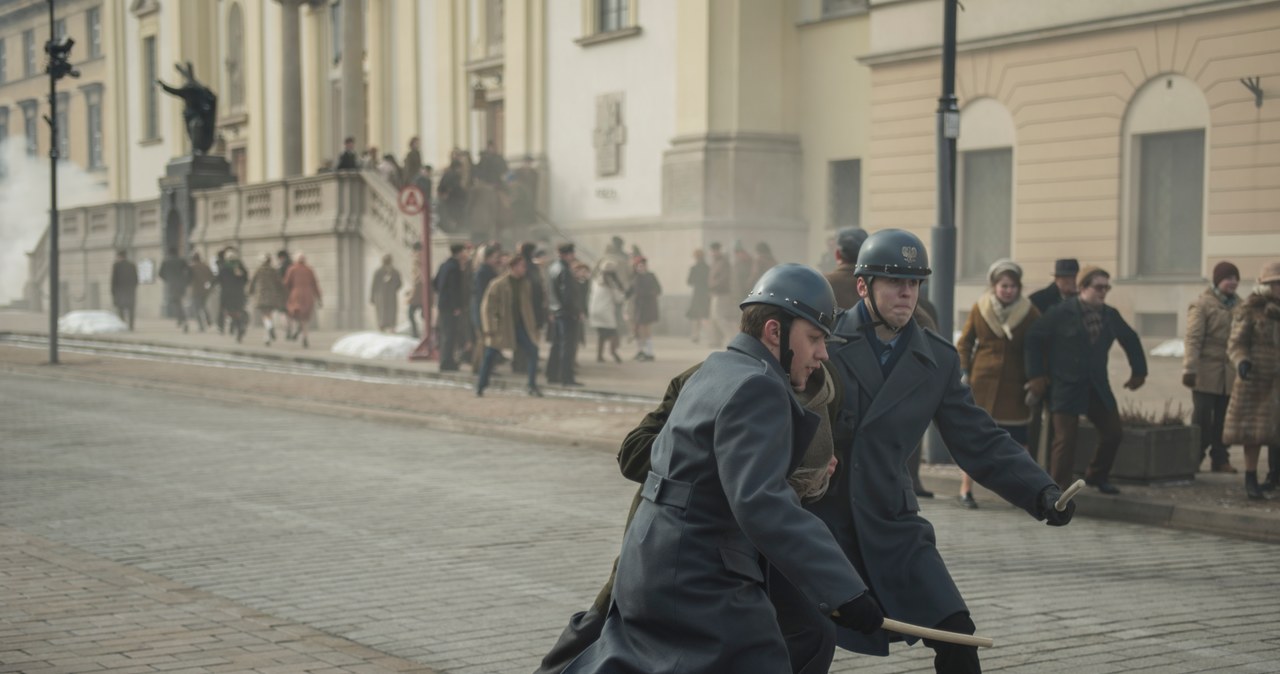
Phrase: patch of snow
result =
(1173, 348)
(91, 323)
(375, 346)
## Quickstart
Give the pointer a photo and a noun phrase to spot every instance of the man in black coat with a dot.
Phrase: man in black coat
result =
(176, 274)
(1063, 286)
(1072, 341)
(899, 378)
(348, 161)
(565, 304)
(450, 304)
(124, 287)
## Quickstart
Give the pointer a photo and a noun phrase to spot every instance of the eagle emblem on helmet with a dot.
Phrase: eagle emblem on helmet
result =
(910, 253)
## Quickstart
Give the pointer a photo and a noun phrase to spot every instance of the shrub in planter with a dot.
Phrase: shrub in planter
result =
(1156, 447)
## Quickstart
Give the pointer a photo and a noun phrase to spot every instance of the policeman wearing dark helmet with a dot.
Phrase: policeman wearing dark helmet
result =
(898, 378)
(690, 594)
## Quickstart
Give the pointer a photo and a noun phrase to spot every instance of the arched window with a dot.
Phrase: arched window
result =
(984, 199)
(235, 57)
(1164, 187)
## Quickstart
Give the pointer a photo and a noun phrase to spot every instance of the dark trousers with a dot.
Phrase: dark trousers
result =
(1065, 427)
(1209, 411)
(564, 351)
(491, 355)
(413, 323)
(126, 313)
(200, 311)
(173, 307)
(447, 338)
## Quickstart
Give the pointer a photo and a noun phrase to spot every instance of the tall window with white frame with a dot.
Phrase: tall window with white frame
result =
(612, 15)
(93, 108)
(235, 58)
(59, 29)
(986, 209)
(150, 96)
(4, 61)
(1170, 203)
(495, 15)
(28, 53)
(846, 193)
(29, 127)
(64, 126)
(93, 26)
(335, 31)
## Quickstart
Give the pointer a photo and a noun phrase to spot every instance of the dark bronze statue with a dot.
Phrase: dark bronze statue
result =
(201, 110)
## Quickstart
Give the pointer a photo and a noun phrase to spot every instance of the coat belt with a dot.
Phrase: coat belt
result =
(666, 491)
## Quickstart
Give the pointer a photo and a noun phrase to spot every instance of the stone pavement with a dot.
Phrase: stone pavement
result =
(467, 554)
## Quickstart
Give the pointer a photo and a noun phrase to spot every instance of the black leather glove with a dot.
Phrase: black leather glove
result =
(1243, 369)
(1189, 379)
(861, 614)
(1052, 516)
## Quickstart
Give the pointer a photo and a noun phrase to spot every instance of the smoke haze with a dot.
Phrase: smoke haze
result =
(24, 207)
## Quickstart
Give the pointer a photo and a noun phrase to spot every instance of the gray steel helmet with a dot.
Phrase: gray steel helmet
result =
(849, 241)
(893, 253)
(799, 290)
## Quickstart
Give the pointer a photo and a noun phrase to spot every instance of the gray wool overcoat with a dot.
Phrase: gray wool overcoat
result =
(871, 507)
(690, 593)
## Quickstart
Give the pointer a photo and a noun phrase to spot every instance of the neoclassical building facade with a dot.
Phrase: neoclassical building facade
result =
(1118, 133)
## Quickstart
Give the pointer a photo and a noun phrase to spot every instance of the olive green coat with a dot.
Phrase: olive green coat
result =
(497, 311)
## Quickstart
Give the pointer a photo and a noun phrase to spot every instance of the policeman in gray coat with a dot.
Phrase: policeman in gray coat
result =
(899, 378)
(690, 594)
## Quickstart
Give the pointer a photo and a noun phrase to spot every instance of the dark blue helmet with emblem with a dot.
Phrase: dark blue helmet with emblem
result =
(799, 290)
(893, 253)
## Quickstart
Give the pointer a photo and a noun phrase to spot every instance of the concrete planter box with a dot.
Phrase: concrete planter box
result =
(1153, 454)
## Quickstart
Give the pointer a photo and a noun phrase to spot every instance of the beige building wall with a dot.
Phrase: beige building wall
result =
(1071, 97)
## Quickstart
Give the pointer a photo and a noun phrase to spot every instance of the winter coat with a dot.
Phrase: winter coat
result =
(497, 311)
(267, 289)
(448, 286)
(1058, 346)
(992, 354)
(690, 595)
(1047, 298)
(1253, 415)
(232, 279)
(176, 274)
(304, 291)
(845, 284)
(700, 302)
(1208, 329)
(202, 279)
(645, 292)
(124, 283)
(606, 294)
(384, 295)
(871, 505)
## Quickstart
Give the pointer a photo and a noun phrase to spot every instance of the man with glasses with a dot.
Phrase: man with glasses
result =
(1066, 351)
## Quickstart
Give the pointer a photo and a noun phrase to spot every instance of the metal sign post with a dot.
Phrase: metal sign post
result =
(412, 201)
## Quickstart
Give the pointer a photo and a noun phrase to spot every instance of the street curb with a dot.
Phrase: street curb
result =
(1262, 527)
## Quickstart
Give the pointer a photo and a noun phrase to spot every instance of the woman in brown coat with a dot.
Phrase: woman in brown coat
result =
(506, 319)
(267, 290)
(1253, 416)
(991, 355)
(1206, 370)
(304, 295)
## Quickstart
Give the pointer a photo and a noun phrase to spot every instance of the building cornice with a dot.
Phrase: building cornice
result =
(1065, 30)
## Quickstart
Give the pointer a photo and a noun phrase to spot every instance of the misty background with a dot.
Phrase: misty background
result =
(24, 207)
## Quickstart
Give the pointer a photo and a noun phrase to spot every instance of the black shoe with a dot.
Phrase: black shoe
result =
(449, 367)
(966, 501)
(479, 393)
(573, 383)
(535, 391)
(921, 492)
(1273, 478)
(1251, 488)
(1103, 486)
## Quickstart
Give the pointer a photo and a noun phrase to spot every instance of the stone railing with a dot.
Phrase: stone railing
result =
(344, 222)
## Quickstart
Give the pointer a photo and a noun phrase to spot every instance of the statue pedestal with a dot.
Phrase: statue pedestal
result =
(182, 177)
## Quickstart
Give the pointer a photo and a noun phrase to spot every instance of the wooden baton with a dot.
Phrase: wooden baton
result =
(1075, 488)
(936, 635)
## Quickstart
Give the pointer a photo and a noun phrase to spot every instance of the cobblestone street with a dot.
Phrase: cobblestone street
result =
(142, 521)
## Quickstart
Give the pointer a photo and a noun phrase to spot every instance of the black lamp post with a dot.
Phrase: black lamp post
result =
(58, 67)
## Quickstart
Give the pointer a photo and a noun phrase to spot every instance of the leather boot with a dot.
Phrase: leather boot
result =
(1251, 486)
(1273, 475)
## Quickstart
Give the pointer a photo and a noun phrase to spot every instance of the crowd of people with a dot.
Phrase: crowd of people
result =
(483, 197)
(282, 291)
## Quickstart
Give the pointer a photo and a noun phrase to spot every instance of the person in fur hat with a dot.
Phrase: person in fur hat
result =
(1253, 415)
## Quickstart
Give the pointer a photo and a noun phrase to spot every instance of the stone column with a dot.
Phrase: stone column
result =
(353, 110)
(291, 74)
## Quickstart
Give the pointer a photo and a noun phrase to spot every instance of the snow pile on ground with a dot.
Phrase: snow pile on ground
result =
(1170, 349)
(375, 346)
(91, 323)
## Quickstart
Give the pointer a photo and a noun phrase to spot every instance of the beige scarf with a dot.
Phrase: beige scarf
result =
(811, 479)
(1003, 319)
